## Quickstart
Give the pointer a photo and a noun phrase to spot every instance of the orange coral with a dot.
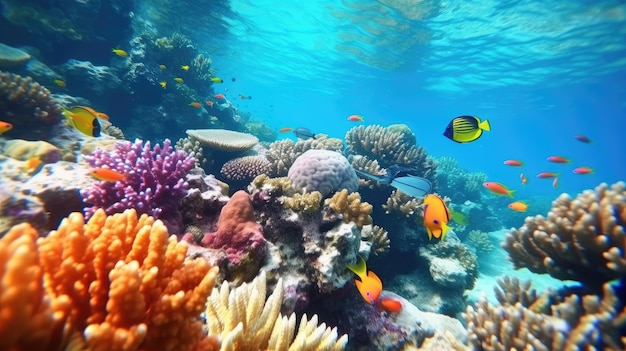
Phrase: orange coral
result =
(128, 282)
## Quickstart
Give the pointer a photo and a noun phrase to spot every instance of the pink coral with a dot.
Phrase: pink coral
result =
(237, 231)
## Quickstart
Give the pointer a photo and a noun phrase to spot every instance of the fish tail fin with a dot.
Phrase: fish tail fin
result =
(430, 233)
(444, 231)
(484, 125)
(359, 268)
(511, 192)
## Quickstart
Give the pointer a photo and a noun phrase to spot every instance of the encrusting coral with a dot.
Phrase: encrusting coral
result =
(121, 281)
(351, 207)
(246, 321)
(582, 239)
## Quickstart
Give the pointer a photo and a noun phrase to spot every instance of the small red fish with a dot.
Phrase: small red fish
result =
(285, 130)
(547, 175)
(389, 304)
(219, 96)
(555, 182)
(195, 104)
(107, 175)
(498, 189)
(523, 178)
(514, 163)
(583, 170)
(209, 103)
(558, 159)
(583, 139)
(355, 118)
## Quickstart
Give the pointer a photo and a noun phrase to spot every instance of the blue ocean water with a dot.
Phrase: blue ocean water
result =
(540, 71)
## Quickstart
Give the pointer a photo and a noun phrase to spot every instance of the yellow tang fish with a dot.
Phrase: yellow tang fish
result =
(163, 84)
(178, 80)
(119, 52)
(464, 129)
(59, 82)
(83, 119)
(185, 67)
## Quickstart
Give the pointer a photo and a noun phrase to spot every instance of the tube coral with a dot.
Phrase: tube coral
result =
(154, 183)
(121, 281)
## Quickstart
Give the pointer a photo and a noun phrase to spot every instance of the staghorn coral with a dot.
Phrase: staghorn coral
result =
(324, 171)
(245, 168)
(245, 320)
(581, 239)
(27, 105)
(306, 203)
(155, 181)
(574, 323)
(120, 281)
(283, 153)
(402, 203)
(223, 139)
(201, 66)
(479, 241)
(351, 208)
(377, 236)
(364, 164)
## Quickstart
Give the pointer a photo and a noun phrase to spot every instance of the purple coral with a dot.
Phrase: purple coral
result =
(154, 185)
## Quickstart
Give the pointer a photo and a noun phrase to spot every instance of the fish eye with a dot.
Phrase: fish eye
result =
(436, 221)
(367, 293)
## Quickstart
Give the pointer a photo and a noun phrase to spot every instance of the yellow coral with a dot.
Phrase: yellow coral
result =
(306, 203)
(351, 207)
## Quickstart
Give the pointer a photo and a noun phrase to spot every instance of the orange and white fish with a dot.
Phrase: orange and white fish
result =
(436, 217)
(32, 165)
(107, 175)
(285, 130)
(195, 104)
(545, 175)
(119, 52)
(355, 118)
(5, 127)
(498, 189)
(583, 170)
(558, 159)
(519, 206)
(523, 178)
(514, 163)
(369, 285)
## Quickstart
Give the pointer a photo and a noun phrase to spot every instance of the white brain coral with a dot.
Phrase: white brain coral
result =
(324, 171)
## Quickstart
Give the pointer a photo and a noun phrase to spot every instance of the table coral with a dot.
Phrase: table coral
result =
(121, 281)
(581, 239)
(155, 181)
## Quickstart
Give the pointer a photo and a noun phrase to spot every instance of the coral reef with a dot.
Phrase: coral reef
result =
(28, 106)
(120, 281)
(350, 207)
(402, 204)
(581, 239)
(283, 153)
(479, 241)
(451, 264)
(304, 202)
(377, 236)
(223, 139)
(324, 171)
(95, 81)
(245, 168)
(154, 181)
(460, 184)
(547, 322)
(24, 150)
(246, 321)
(191, 147)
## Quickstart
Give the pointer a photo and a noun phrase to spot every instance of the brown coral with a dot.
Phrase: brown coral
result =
(121, 279)
(283, 153)
(245, 168)
(402, 203)
(306, 202)
(377, 236)
(581, 239)
(350, 207)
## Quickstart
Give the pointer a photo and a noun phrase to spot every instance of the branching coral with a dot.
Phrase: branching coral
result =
(305, 202)
(283, 153)
(460, 184)
(402, 203)
(27, 105)
(245, 168)
(245, 320)
(350, 207)
(377, 236)
(121, 281)
(154, 181)
(575, 322)
(191, 146)
(581, 239)
(479, 241)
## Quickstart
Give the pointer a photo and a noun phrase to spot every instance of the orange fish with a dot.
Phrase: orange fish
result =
(102, 115)
(498, 189)
(32, 165)
(389, 304)
(285, 130)
(210, 103)
(107, 175)
(523, 178)
(369, 284)
(583, 139)
(558, 159)
(195, 104)
(518, 206)
(219, 96)
(355, 118)
(5, 127)
(555, 182)
(514, 163)
(436, 217)
(547, 175)
(583, 170)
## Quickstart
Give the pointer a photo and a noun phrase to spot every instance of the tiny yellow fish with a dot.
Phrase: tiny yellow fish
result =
(163, 84)
(59, 82)
(179, 80)
(32, 165)
(185, 67)
(217, 80)
(119, 52)
(162, 67)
